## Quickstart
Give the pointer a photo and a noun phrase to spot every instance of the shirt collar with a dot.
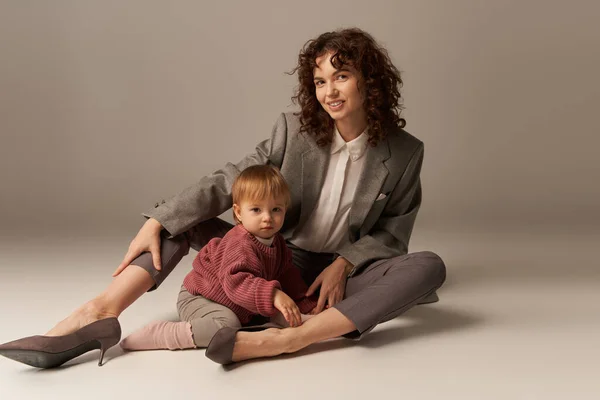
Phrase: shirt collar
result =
(356, 147)
(266, 242)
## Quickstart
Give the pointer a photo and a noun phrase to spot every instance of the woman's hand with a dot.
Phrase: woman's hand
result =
(147, 239)
(287, 307)
(333, 284)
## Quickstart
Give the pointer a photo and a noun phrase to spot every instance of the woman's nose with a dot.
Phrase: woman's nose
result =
(331, 91)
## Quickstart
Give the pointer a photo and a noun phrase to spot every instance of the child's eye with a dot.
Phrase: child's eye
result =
(277, 209)
(255, 209)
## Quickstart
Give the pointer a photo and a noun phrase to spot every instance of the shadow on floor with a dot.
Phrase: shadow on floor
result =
(424, 320)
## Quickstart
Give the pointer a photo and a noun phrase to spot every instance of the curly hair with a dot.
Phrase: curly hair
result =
(379, 79)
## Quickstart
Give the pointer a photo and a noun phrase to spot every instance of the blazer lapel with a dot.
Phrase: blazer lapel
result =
(369, 184)
(314, 166)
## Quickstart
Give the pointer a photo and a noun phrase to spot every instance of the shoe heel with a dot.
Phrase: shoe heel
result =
(105, 344)
(102, 350)
(53, 351)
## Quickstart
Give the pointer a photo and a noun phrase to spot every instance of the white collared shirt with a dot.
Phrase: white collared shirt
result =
(326, 229)
(266, 242)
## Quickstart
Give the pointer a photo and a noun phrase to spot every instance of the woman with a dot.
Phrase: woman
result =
(354, 179)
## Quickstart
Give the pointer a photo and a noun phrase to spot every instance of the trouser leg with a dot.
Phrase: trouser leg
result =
(205, 316)
(387, 288)
(174, 249)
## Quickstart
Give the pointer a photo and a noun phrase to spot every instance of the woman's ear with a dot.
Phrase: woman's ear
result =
(236, 212)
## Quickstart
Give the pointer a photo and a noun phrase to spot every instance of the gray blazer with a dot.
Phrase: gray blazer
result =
(388, 195)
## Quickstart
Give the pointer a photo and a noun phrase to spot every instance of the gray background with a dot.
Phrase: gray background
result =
(108, 106)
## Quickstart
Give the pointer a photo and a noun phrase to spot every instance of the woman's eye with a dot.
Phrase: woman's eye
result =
(342, 76)
(318, 83)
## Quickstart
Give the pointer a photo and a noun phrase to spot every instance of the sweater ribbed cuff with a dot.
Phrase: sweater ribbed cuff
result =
(264, 298)
(306, 304)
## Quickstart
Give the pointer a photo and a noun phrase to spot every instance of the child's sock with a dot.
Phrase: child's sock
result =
(161, 335)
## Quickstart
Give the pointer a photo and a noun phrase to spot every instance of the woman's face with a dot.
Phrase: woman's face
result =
(337, 91)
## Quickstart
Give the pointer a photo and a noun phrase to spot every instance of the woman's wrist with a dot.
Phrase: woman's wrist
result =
(348, 266)
(154, 224)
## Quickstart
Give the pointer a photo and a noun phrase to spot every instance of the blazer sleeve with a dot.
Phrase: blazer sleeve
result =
(211, 196)
(391, 233)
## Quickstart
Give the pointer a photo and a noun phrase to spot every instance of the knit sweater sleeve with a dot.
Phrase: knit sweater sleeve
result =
(242, 282)
(293, 284)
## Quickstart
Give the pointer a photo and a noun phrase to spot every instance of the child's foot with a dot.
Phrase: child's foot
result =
(161, 335)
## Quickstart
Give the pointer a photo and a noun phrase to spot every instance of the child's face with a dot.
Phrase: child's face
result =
(262, 218)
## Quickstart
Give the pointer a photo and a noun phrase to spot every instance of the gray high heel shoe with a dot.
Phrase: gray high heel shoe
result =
(220, 348)
(431, 298)
(53, 351)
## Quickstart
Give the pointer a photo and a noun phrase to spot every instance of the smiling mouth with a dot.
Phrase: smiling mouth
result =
(336, 105)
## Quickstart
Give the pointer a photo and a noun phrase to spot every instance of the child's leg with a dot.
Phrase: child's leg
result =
(159, 335)
(205, 316)
(201, 319)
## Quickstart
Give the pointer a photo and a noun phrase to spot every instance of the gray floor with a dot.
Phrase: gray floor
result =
(519, 318)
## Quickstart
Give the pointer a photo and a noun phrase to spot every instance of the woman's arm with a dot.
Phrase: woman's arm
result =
(211, 196)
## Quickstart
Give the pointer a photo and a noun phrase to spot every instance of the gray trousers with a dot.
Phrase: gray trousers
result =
(205, 316)
(379, 292)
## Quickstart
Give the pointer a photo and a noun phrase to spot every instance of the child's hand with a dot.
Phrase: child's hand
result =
(287, 307)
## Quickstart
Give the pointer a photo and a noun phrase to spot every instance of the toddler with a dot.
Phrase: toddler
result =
(246, 273)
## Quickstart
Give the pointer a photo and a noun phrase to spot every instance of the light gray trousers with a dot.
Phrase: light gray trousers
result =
(379, 292)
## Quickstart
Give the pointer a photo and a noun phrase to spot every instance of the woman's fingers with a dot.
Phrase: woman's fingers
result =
(125, 263)
(117, 271)
(315, 285)
(155, 250)
(321, 302)
(147, 239)
(334, 297)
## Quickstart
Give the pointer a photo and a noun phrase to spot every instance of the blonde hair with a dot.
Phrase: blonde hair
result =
(259, 182)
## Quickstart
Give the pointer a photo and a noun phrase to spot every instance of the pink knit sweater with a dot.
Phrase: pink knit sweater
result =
(240, 272)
